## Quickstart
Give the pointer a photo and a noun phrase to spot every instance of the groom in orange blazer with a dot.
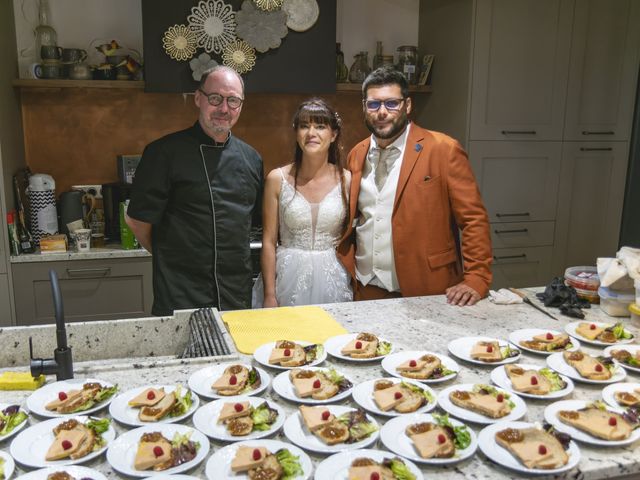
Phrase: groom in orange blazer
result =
(417, 224)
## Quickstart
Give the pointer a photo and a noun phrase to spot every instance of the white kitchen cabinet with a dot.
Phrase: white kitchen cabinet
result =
(521, 267)
(519, 74)
(605, 51)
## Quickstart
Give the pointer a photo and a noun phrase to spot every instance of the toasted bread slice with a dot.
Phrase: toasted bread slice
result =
(60, 476)
(388, 398)
(429, 364)
(601, 424)
(148, 397)
(486, 352)
(234, 410)
(159, 410)
(589, 330)
(587, 366)
(298, 357)
(328, 389)
(431, 440)
(77, 401)
(240, 426)
(527, 381)
(246, 458)
(333, 432)
(232, 381)
(411, 401)
(525, 444)
(547, 342)
(627, 399)
(87, 444)
(147, 454)
(483, 403)
(315, 417)
(270, 469)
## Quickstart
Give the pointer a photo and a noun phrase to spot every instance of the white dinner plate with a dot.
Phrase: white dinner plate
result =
(393, 437)
(122, 452)
(75, 471)
(502, 456)
(550, 415)
(263, 352)
(528, 333)
(163, 476)
(201, 380)
(37, 400)
(461, 348)
(609, 391)
(9, 465)
(123, 413)
(18, 427)
(448, 406)
(219, 464)
(363, 395)
(629, 348)
(297, 432)
(31, 445)
(336, 467)
(206, 420)
(390, 362)
(570, 328)
(557, 363)
(334, 346)
(500, 378)
(283, 387)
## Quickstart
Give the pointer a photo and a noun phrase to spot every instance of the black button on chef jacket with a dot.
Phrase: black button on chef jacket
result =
(201, 218)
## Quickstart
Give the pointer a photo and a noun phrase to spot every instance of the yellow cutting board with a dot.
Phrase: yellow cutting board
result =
(252, 328)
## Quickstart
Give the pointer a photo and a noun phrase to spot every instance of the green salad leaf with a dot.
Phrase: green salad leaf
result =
(105, 393)
(1, 468)
(263, 417)
(556, 382)
(99, 426)
(384, 348)
(620, 332)
(11, 421)
(312, 352)
(418, 390)
(462, 437)
(183, 402)
(290, 464)
(253, 381)
(400, 470)
(180, 439)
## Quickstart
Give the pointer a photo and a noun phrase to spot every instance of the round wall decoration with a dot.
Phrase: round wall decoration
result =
(302, 14)
(213, 22)
(262, 30)
(240, 56)
(268, 5)
(201, 63)
(179, 42)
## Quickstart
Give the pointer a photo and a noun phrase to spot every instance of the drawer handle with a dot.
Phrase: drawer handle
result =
(518, 132)
(596, 132)
(596, 149)
(525, 214)
(509, 257)
(521, 230)
(84, 272)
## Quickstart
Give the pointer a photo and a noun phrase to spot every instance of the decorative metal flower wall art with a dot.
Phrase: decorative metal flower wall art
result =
(179, 42)
(268, 5)
(262, 30)
(240, 56)
(201, 63)
(302, 14)
(213, 22)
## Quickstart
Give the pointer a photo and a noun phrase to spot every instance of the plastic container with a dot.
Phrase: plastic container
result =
(590, 295)
(614, 303)
(635, 314)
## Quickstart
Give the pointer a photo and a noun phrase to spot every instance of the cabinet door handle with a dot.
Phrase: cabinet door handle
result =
(509, 257)
(596, 149)
(89, 272)
(518, 132)
(521, 230)
(524, 214)
(596, 132)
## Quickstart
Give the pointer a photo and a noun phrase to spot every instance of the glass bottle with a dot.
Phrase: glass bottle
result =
(360, 68)
(377, 58)
(407, 63)
(342, 72)
(45, 34)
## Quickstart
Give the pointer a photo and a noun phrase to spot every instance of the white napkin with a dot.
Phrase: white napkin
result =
(618, 273)
(504, 296)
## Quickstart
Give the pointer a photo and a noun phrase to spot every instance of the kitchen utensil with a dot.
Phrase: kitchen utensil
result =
(205, 336)
(528, 301)
(42, 206)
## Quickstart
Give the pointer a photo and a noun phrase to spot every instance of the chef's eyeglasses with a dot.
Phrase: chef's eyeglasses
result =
(391, 104)
(215, 100)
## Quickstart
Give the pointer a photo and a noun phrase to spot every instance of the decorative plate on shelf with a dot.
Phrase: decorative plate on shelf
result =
(261, 29)
(214, 24)
(240, 56)
(301, 14)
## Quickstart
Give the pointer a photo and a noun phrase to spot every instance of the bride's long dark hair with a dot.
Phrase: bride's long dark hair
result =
(317, 110)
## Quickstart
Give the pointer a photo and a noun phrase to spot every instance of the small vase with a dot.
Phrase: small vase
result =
(360, 68)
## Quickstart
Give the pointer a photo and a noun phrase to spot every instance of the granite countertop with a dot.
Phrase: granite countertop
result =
(109, 251)
(421, 323)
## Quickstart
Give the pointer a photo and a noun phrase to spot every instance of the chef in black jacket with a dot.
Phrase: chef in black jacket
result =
(194, 195)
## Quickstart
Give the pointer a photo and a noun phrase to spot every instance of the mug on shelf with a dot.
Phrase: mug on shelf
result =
(73, 55)
(80, 71)
(48, 70)
(50, 52)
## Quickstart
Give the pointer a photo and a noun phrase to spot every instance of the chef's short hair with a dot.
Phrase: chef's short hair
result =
(219, 68)
(387, 75)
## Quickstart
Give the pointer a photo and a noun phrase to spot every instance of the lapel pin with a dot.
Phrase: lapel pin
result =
(418, 147)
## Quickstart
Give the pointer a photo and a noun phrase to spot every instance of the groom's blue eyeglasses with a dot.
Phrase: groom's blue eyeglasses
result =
(391, 104)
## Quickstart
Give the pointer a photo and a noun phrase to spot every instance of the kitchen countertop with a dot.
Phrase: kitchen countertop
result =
(109, 251)
(421, 323)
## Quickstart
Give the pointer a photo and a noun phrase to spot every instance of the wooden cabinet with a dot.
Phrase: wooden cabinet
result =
(91, 290)
(5, 301)
(521, 267)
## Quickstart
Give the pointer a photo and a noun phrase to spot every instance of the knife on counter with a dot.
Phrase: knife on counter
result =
(528, 301)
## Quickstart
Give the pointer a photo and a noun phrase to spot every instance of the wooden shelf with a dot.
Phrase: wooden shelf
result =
(357, 87)
(53, 83)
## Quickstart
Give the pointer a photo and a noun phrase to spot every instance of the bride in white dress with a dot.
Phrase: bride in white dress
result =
(304, 213)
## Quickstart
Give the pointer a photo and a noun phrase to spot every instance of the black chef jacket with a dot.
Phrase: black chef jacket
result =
(200, 232)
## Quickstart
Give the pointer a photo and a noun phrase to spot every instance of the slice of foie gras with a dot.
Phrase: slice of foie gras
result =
(314, 417)
(224, 382)
(412, 365)
(305, 386)
(365, 472)
(486, 351)
(428, 443)
(386, 399)
(146, 455)
(234, 410)
(523, 380)
(352, 347)
(147, 398)
(246, 460)
(589, 330)
(280, 355)
(57, 451)
(71, 395)
(549, 337)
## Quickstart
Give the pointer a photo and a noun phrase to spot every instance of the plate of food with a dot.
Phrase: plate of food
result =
(60, 442)
(429, 438)
(627, 356)
(12, 420)
(166, 447)
(287, 354)
(600, 333)
(484, 350)
(480, 403)
(394, 396)
(331, 428)
(593, 422)
(71, 397)
(243, 460)
(178, 476)
(543, 342)
(527, 448)
(532, 381)
(364, 463)
(72, 472)
(428, 367)
(7, 465)
(243, 418)
(229, 380)
(154, 404)
(312, 385)
(622, 395)
(358, 347)
(586, 368)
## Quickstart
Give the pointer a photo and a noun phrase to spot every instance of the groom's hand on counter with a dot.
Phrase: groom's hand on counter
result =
(461, 295)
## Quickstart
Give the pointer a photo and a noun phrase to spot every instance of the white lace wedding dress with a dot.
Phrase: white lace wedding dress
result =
(307, 269)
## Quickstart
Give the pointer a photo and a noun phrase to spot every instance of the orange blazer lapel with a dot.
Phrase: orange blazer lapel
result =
(412, 152)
